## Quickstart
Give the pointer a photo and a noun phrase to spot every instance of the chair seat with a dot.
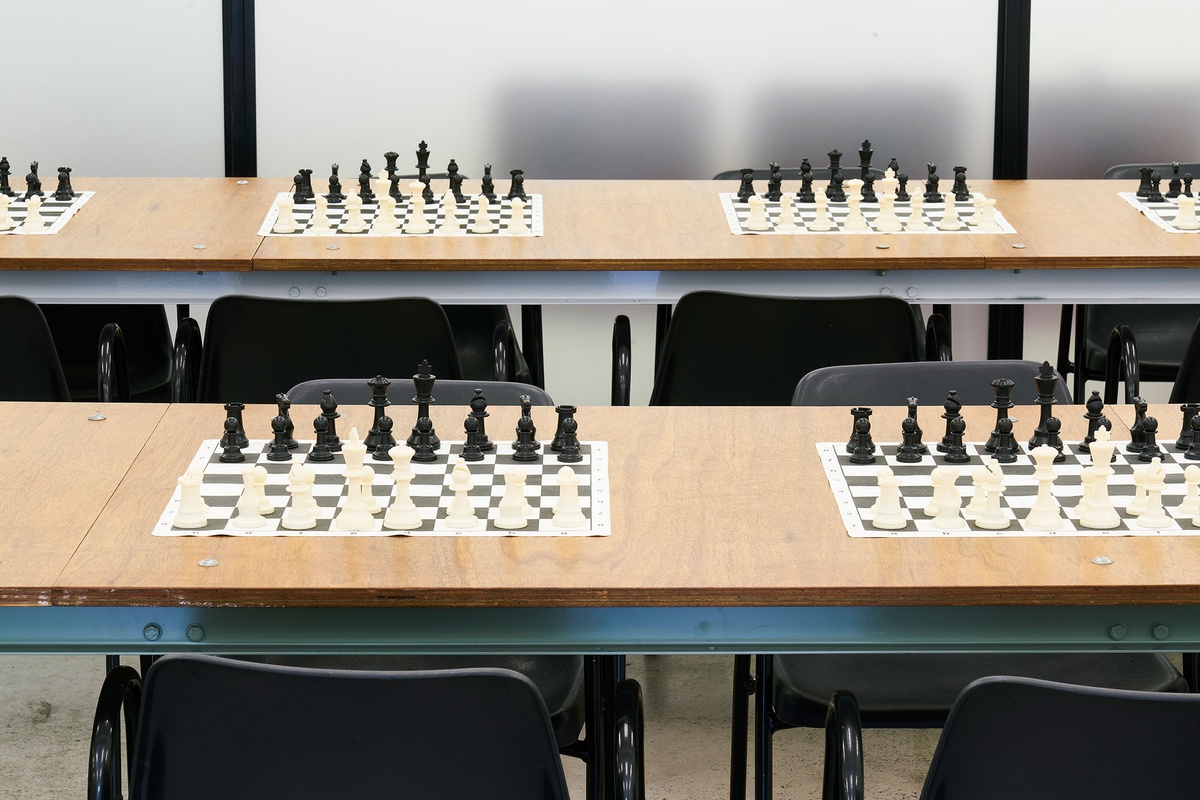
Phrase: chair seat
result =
(918, 689)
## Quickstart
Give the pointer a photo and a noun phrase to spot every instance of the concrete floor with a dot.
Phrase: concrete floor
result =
(47, 703)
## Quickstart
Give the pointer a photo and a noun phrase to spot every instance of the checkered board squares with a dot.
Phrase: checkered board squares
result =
(1161, 214)
(736, 214)
(430, 492)
(55, 213)
(855, 488)
(500, 212)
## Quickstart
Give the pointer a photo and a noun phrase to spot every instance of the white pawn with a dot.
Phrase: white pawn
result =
(821, 221)
(916, 217)
(1190, 506)
(249, 511)
(6, 221)
(758, 219)
(260, 488)
(1045, 514)
(483, 221)
(402, 514)
(353, 221)
(285, 222)
(854, 221)
(450, 223)
(385, 217)
(988, 223)
(1185, 215)
(461, 513)
(977, 213)
(512, 505)
(192, 513)
(950, 221)
(567, 513)
(1087, 480)
(318, 223)
(33, 215)
(944, 483)
(979, 480)
(887, 221)
(1155, 516)
(887, 513)
(993, 518)
(1137, 506)
(787, 215)
(417, 223)
(300, 515)
(516, 221)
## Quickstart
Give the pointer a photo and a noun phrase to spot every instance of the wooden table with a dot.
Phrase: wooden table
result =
(724, 538)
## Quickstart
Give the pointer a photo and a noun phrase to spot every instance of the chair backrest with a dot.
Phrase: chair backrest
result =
(1186, 388)
(29, 365)
(929, 381)
(147, 333)
(356, 392)
(214, 727)
(476, 328)
(1133, 171)
(1038, 740)
(740, 350)
(256, 347)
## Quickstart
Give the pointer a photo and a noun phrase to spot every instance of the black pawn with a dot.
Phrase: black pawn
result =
(961, 193)
(775, 183)
(330, 413)
(863, 450)
(868, 189)
(385, 441)
(835, 191)
(5, 172)
(479, 412)
(335, 186)
(805, 195)
(1095, 413)
(235, 410)
(284, 405)
(1185, 432)
(1006, 444)
(517, 187)
(922, 448)
(279, 449)
(564, 412)
(1002, 388)
(746, 187)
(1053, 439)
(63, 191)
(1150, 449)
(423, 383)
(902, 195)
(232, 451)
(527, 414)
(953, 407)
(932, 195)
(569, 454)
(487, 187)
(956, 452)
(1193, 452)
(859, 413)
(320, 451)
(1156, 195)
(1174, 185)
(424, 451)
(907, 452)
(1137, 431)
(471, 451)
(523, 448)
(364, 183)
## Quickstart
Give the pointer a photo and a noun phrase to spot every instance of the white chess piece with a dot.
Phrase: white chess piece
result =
(887, 221)
(1137, 506)
(265, 506)
(821, 221)
(461, 514)
(1190, 506)
(758, 220)
(450, 223)
(887, 513)
(987, 222)
(1045, 514)
(1100, 513)
(33, 215)
(979, 479)
(949, 502)
(353, 221)
(950, 221)
(355, 514)
(993, 518)
(318, 223)
(787, 215)
(567, 512)
(249, 512)
(192, 513)
(512, 504)
(300, 514)
(1185, 214)
(483, 221)
(6, 221)
(976, 217)
(1155, 516)
(854, 220)
(285, 222)
(385, 215)
(402, 514)
(516, 220)
(417, 224)
(916, 216)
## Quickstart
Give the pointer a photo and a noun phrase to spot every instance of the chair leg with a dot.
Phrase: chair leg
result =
(743, 687)
(594, 758)
(764, 726)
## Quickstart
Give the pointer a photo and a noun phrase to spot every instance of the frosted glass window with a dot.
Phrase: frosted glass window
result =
(625, 88)
(114, 89)
(1112, 84)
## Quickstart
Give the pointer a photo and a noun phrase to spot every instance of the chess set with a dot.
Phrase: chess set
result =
(928, 220)
(35, 212)
(1174, 210)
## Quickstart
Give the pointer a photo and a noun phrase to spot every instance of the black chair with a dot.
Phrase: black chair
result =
(487, 343)
(356, 392)
(208, 727)
(254, 348)
(29, 365)
(928, 381)
(1125, 367)
(1012, 737)
(1162, 330)
(907, 690)
(736, 349)
(148, 347)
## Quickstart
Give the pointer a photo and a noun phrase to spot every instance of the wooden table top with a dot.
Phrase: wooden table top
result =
(156, 224)
(710, 506)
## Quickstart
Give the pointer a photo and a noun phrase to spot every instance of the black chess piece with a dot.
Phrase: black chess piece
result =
(471, 451)
(330, 413)
(1053, 439)
(961, 193)
(5, 172)
(859, 413)
(1185, 432)
(335, 186)
(394, 187)
(835, 162)
(235, 410)
(902, 195)
(894, 166)
(63, 191)
(364, 183)
(1002, 388)
(775, 183)
(479, 411)
(1046, 381)
(1006, 444)
(1187, 184)
(864, 159)
(423, 383)
(806, 195)
(423, 450)
(385, 441)
(422, 159)
(389, 159)
(922, 448)
(231, 452)
(527, 414)
(868, 189)
(320, 451)
(956, 451)
(304, 188)
(564, 412)
(1193, 452)
(279, 449)
(953, 407)
(523, 448)
(1150, 449)
(862, 449)
(908, 451)
(379, 401)
(487, 187)
(932, 195)
(746, 187)
(1144, 186)
(1156, 195)
(33, 184)
(1137, 431)
(569, 454)
(517, 187)
(284, 405)
(456, 182)
(1095, 413)
(835, 190)
(1174, 188)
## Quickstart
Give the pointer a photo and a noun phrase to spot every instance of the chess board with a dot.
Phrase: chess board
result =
(500, 213)
(55, 213)
(736, 213)
(430, 492)
(855, 489)
(1161, 214)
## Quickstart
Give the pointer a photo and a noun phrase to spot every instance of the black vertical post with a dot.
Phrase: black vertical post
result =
(241, 136)
(1010, 159)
